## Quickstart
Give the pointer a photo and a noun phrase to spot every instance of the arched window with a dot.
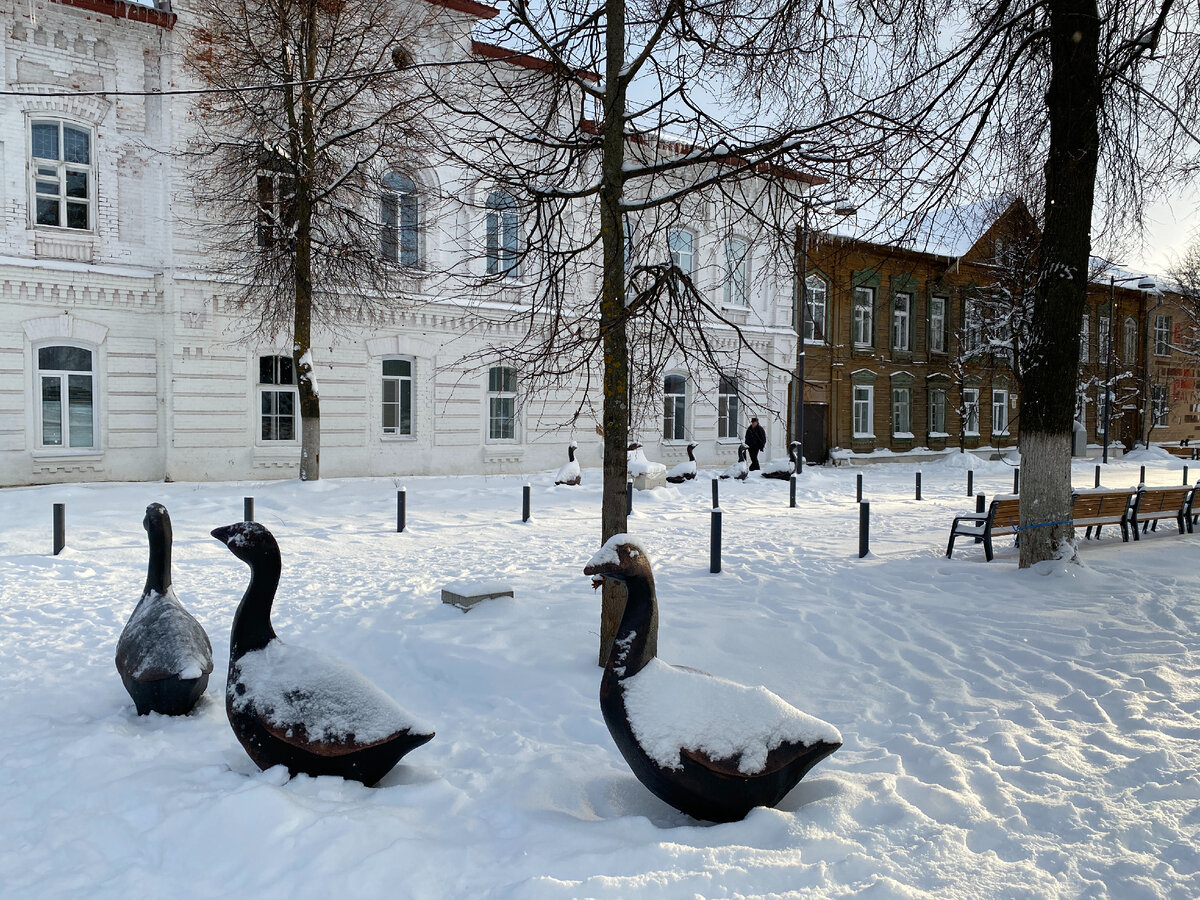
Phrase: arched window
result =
(674, 408)
(67, 391)
(399, 235)
(502, 235)
(1129, 353)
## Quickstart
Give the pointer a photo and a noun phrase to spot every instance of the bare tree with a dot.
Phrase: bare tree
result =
(308, 108)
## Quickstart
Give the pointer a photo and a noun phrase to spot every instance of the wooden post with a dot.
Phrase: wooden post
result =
(60, 527)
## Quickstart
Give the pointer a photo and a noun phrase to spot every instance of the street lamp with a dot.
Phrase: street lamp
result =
(1144, 283)
(839, 207)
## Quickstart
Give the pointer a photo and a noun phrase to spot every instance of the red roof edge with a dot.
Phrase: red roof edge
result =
(481, 10)
(120, 9)
(524, 60)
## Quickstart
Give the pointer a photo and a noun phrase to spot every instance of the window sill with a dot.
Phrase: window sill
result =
(397, 438)
(64, 243)
(67, 453)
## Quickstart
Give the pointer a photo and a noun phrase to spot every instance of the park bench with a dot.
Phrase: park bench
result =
(1099, 507)
(1002, 517)
(1183, 451)
(1151, 504)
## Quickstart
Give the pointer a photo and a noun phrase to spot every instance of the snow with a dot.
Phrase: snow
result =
(161, 639)
(290, 686)
(1006, 733)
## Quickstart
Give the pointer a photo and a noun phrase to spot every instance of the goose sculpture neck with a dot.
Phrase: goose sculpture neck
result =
(158, 570)
(631, 648)
(252, 622)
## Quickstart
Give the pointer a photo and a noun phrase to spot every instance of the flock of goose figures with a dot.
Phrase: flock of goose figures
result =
(709, 747)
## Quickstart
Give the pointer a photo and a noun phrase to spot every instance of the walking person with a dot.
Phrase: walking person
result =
(756, 441)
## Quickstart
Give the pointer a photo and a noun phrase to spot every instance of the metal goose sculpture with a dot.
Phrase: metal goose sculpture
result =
(296, 707)
(783, 468)
(686, 470)
(164, 656)
(711, 748)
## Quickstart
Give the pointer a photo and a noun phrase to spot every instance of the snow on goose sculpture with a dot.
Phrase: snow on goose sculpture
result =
(686, 470)
(783, 468)
(296, 707)
(739, 469)
(711, 748)
(569, 473)
(163, 655)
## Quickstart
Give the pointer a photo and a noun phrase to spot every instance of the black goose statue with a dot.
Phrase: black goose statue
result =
(569, 473)
(783, 468)
(163, 655)
(739, 469)
(686, 470)
(296, 707)
(711, 748)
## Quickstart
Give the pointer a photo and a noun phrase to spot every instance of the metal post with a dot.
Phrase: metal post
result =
(801, 312)
(864, 529)
(1112, 302)
(401, 510)
(715, 493)
(248, 509)
(980, 503)
(858, 498)
(525, 503)
(60, 527)
(714, 550)
(628, 499)
(1142, 475)
(792, 493)
(1185, 474)
(918, 485)
(970, 482)
(1097, 476)
(1017, 480)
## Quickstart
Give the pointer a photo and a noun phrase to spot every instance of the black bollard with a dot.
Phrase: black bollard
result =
(980, 503)
(858, 498)
(792, 493)
(628, 499)
(1017, 480)
(970, 482)
(714, 549)
(715, 492)
(1142, 475)
(1097, 476)
(864, 529)
(60, 527)
(918, 485)
(248, 509)
(401, 511)
(525, 503)
(1185, 474)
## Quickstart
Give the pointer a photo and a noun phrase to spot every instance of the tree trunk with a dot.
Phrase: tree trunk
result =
(310, 401)
(1048, 408)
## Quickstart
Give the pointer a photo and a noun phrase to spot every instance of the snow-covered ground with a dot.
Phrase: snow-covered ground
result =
(1007, 733)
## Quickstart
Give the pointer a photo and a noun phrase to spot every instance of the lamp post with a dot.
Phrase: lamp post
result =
(841, 207)
(1144, 283)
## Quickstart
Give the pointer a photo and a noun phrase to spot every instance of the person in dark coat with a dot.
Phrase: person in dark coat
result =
(756, 441)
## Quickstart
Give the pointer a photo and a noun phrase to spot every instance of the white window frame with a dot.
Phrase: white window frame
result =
(816, 326)
(901, 321)
(272, 392)
(67, 380)
(402, 384)
(502, 406)
(1160, 408)
(863, 405)
(675, 408)
(1100, 393)
(970, 405)
(400, 219)
(863, 317)
(937, 411)
(737, 272)
(681, 242)
(937, 323)
(62, 175)
(1130, 355)
(502, 241)
(728, 408)
(1085, 338)
(1162, 335)
(902, 412)
(1000, 411)
(972, 325)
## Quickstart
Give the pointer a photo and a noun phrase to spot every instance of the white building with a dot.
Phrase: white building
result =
(120, 358)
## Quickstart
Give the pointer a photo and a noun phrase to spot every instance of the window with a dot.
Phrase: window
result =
(276, 199)
(1158, 405)
(399, 222)
(970, 415)
(1084, 338)
(397, 397)
(277, 398)
(817, 308)
(502, 238)
(937, 411)
(67, 388)
(1129, 354)
(727, 408)
(864, 410)
(1103, 412)
(502, 404)
(63, 189)
(1103, 348)
(972, 326)
(863, 326)
(674, 408)
(937, 324)
(999, 411)
(1162, 335)
(737, 272)
(901, 315)
(902, 412)
(683, 250)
